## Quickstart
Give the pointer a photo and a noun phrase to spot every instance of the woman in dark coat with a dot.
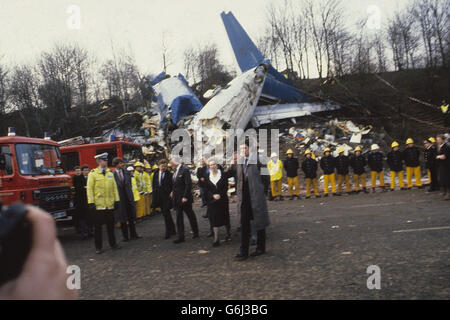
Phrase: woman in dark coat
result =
(216, 187)
(443, 162)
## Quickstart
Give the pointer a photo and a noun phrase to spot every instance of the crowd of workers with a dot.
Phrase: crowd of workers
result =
(336, 170)
(133, 191)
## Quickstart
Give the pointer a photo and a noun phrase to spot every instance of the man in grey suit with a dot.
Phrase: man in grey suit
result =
(252, 205)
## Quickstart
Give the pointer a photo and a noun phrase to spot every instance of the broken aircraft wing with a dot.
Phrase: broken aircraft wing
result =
(267, 114)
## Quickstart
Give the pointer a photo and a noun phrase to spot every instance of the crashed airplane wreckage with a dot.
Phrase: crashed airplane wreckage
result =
(258, 96)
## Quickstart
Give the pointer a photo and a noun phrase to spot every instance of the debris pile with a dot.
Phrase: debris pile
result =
(317, 136)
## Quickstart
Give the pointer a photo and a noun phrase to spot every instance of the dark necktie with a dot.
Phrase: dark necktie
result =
(245, 167)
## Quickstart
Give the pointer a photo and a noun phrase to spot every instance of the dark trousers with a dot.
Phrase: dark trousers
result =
(246, 232)
(100, 218)
(434, 179)
(203, 195)
(168, 221)
(131, 225)
(131, 213)
(187, 208)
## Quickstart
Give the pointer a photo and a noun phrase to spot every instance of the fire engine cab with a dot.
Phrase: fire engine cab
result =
(31, 172)
(83, 154)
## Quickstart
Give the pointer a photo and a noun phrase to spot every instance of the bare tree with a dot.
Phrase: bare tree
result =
(24, 97)
(122, 77)
(4, 78)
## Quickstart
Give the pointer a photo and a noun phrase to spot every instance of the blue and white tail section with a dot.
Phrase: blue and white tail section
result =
(276, 86)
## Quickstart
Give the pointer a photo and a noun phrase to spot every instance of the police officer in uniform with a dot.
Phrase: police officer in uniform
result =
(103, 200)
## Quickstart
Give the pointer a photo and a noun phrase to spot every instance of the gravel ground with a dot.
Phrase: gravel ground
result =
(316, 249)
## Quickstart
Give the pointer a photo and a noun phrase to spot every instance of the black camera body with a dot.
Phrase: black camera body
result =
(15, 241)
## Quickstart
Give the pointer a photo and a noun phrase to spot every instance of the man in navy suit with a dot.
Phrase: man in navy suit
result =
(127, 208)
(182, 198)
(162, 187)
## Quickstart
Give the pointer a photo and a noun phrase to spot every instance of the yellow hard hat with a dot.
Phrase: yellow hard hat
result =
(138, 164)
(409, 141)
(358, 148)
(307, 152)
(147, 166)
(327, 150)
(394, 144)
(289, 151)
(169, 165)
(340, 150)
(154, 167)
(432, 140)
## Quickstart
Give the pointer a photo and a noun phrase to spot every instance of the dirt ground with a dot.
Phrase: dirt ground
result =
(316, 249)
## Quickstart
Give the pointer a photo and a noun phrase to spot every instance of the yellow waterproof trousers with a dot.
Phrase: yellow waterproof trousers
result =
(276, 188)
(293, 182)
(148, 204)
(308, 187)
(409, 173)
(359, 178)
(140, 207)
(329, 178)
(340, 180)
(373, 177)
(400, 179)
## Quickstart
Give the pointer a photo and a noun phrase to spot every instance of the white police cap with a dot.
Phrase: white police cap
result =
(102, 156)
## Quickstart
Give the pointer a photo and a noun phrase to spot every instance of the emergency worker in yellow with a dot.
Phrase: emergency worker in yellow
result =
(103, 199)
(275, 167)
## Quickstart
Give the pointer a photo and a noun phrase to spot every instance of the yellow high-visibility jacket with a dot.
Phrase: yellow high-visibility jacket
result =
(140, 183)
(134, 187)
(275, 170)
(102, 189)
(148, 182)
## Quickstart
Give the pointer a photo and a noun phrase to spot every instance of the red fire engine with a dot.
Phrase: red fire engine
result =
(31, 172)
(81, 154)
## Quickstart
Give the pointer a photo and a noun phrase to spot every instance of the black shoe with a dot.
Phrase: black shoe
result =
(125, 240)
(99, 251)
(392, 189)
(297, 197)
(281, 198)
(116, 247)
(166, 237)
(195, 236)
(257, 253)
(421, 187)
(241, 257)
(228, 238)
(216, 243)
(403, 189)
(325, 195)
(337, 194)
(350, 193)
(275, 199)
(205, 216)
(291, 198)
(178, 241)
(136, 238)
(307, 197)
